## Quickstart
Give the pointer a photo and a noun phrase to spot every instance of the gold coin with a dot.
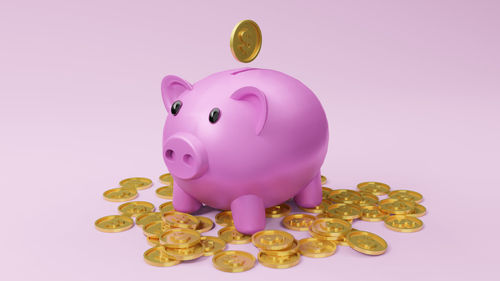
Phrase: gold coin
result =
(316, 248)
(272, 240)
(205, 224)
(372, 213)
(366, 242)
(418, 211)
(406, 195)
(403, 223)
(294, 248)
(233, 236)
(396, 207)
(155, 229)
(224, 218)
(322, 215)
(278, 211)
(180, 220)
(318, 209)
(147, 218)
(233, 261)
(153, 242)
(278, 261)
(165, 192)
(368, 199)
(344, 211)
(300, 222)
(212, 245)
(373, 187)
(330, 227)
(342, 241)
(323, 179)
(325, 191)
(138, 183)
(114, 223)
(167, 179)
(180, 238)
(166, 207)
(157, 256)
(120, 194)
(246, 40)
(321, 237)
(135, 208)
(185, 254)
(346, 196)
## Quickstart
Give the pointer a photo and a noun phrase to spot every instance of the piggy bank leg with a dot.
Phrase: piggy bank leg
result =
(249, 214)
(184, 202)
(311, 195)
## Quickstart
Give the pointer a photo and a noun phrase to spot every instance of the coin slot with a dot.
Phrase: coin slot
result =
(243, 70)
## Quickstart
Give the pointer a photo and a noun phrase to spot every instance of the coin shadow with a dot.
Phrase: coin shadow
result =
(203, 210)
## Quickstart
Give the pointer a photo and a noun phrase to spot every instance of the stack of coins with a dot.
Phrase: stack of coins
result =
(278, 249)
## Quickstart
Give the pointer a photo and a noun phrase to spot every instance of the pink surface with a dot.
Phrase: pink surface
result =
(411, 90)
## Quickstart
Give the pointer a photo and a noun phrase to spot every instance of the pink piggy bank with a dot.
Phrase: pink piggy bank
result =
(243, 140)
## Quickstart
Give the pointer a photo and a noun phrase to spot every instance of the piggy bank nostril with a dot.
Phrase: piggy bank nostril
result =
(188, 159)
(170, 154)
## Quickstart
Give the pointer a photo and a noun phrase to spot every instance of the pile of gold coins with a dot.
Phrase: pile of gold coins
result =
(177, 237)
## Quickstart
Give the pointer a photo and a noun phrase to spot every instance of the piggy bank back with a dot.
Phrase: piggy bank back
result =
(243, 140)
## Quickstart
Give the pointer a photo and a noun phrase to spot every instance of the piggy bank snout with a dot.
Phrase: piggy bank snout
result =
(185, 156)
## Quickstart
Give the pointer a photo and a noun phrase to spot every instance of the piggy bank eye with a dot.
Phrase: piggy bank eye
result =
(176, 106)
(214, 115)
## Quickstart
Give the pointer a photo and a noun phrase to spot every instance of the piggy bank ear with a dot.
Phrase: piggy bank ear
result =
(171, 88)
(257, 99)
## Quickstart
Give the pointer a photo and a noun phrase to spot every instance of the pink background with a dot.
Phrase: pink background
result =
(411, 90)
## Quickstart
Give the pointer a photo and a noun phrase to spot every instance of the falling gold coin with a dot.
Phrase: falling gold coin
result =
(138, 183)
(157, 256)
(372, 213)
(396, 207)
(180, 238)
(346, 196)
(278, 211)
(205, 224)
(233, 236)
(147, 218)
(155, 229)
(278, 261)
(300, 222)
(185, 254)
(224, 218)
(114, 223)
(375, 188)
(316, 248)
(403, 223)
(332, 227)
(166, 207)
(366, 242)
(120, 194)
(272, 240)
(246, 40)
(323, 179)
(180, 220)
(135, 208)
(167, 179)
(233, 261)
(406, 195)
(294, 248)
(318, 209)
(418, 211)
(165, 192)
(212, 245)
(368, 199)
(344, 211)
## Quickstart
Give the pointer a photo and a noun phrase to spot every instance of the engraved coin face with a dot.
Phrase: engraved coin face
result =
(166, 207)
(300, 222)
(224, 218)
(406, 195)
(180, 220)
(205, 224)
(246, 40)
(330, 227)
(114, 223)
(372, 213)
(135, 208)
(278, 261)
(373, 187)
(138, 183)
(320, 208)
(344, 211)
(396, 207)
(294, 248)
(233, 236)
(155, 229)
(165, 192)
(316, 248)
(278, 211)
(272, 240)
(185, 254)
(233, 261)
(157, 256)
(180, 238)
(366, 242)
(120, 194)
(418, 211)
(212, 245)
(167, 179)
(346, 196)
(403, 223)
(147, 218)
